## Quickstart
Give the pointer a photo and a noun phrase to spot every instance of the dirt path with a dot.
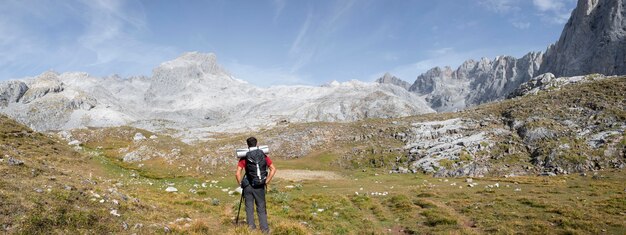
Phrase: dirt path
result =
(296, 175)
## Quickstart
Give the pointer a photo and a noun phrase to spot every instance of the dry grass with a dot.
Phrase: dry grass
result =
(412, 203)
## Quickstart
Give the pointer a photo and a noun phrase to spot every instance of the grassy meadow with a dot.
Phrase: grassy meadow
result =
(339, 186)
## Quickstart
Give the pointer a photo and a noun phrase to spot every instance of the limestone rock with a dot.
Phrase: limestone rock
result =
(15, 162)
(475, 82)
(138, 137)
(11, 92)
(548, 81)
(393, 80)
(171, 189)
(593, 41)
(46, 83)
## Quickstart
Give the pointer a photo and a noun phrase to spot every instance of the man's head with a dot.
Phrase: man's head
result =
(251, 142)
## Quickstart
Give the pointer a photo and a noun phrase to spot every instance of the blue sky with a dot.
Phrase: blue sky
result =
(272, 42)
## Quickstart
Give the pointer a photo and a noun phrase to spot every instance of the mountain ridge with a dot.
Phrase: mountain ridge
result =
(592, 41)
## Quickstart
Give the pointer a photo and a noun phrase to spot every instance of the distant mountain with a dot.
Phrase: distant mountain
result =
(593, 41)
(393, 80)
(475, 82)
(194, 94)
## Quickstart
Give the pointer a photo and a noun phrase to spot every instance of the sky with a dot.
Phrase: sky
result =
(274, 42)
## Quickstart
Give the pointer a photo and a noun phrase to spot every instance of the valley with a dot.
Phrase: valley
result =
(529, 145)
(333, 178)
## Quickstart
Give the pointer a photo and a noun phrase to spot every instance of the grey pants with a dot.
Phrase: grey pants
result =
(255, 196)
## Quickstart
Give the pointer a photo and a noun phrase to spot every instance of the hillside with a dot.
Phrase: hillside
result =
(564, 129)
(46, 186)
(334, 177)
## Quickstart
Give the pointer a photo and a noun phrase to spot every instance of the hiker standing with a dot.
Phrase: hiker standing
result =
(254, 183)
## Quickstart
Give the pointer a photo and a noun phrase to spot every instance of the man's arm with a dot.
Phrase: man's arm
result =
(272, 172)
(238, 175)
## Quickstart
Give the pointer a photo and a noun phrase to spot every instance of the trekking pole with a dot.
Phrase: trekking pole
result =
(239, 210)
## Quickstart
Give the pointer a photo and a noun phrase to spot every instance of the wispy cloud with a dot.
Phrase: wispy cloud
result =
(553, 11)
(500, 6)
(550, 11)
(520, 25)
(112, 31)
(93, 36)
(316, 30)
(297, 47)
(446, 56)
(547, 5)
(279, 5)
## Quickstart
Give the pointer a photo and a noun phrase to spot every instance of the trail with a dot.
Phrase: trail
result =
(295, 175)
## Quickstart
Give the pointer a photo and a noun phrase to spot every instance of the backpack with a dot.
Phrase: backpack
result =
(256, 168)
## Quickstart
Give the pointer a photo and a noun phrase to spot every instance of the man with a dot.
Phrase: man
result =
(255, 182)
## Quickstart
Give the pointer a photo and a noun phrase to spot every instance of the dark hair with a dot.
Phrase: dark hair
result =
(251, 142)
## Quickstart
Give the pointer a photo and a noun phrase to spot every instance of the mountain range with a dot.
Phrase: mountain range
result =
(193, 96)
(592, 41)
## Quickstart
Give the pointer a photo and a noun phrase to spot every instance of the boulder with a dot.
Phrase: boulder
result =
(15, 162)
(138, 137)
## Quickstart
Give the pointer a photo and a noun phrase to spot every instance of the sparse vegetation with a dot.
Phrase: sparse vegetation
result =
(61, 190)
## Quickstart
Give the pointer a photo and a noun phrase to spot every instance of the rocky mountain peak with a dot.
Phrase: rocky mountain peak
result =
(588, 5)
(191, 65)
(393, 80)
(592, 41)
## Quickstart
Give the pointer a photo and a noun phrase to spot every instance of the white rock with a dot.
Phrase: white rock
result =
(138, 137)
(114, 213)
(74, 143)
(171, 189)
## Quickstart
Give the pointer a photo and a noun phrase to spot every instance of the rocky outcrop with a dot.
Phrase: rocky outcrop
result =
(11, 92)
(393, 80)
(475, 82)
(593, 41)
(447, 148)
(547, 82)
(45, 83)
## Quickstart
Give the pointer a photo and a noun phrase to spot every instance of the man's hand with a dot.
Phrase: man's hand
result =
(272, 172)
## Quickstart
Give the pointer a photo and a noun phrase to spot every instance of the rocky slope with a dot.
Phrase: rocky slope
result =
(593, 41)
